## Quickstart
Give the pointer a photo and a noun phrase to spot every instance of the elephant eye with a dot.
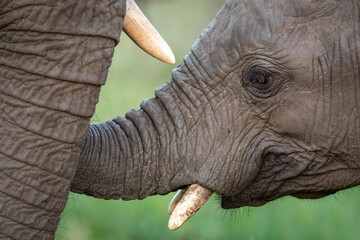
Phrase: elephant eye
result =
(259, 79)
(263, 83)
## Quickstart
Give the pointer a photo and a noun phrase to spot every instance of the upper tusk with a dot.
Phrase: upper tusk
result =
(140, 30)
(195, 197)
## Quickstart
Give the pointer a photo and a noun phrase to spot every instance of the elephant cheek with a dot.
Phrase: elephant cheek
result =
(294, 116)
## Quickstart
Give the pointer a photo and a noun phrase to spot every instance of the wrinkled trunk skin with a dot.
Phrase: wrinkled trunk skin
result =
(141, 154)
(54, 56)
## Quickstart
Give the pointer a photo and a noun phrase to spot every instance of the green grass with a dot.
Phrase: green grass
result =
(133, 76)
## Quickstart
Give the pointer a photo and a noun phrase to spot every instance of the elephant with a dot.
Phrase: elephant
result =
(263, 106)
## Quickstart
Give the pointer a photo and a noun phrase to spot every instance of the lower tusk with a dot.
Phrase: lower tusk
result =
(194, 198)
(140, 30)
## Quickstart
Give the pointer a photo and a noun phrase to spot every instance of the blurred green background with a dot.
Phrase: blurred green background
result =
(133, 77)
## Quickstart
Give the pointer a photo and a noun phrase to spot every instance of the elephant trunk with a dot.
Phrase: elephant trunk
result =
(52, 64)
(141, 154)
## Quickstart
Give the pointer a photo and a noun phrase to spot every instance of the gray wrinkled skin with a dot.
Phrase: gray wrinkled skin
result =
(264, 105)
(54, 57)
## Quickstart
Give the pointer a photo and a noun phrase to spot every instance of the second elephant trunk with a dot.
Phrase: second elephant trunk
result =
(54, 57)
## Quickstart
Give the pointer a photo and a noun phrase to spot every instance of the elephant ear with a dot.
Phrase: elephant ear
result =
(140, 30)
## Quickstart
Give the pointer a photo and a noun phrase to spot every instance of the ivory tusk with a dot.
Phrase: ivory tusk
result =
(140, 30)
(195, 197)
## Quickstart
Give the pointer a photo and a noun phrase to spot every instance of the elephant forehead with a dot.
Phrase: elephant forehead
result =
(308, 8)
(267, 28)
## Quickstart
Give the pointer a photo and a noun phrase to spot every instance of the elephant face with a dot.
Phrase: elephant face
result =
(264, 105)
(274, 88)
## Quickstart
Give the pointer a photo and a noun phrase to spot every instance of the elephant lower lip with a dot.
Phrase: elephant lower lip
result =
(235, 202)
(312, 195)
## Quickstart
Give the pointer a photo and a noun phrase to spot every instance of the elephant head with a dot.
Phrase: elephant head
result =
(264, 105)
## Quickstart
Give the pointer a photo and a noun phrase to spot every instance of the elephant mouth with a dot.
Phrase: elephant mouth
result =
(185, 204)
